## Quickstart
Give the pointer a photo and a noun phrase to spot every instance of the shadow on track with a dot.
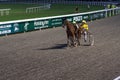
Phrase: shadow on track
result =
(57, 46)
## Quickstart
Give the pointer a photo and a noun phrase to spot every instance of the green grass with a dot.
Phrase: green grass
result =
(18, 11)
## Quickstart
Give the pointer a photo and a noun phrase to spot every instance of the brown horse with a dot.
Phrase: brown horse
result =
(72, 36)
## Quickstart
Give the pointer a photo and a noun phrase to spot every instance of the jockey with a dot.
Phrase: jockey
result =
(84, 25)
(75, 23)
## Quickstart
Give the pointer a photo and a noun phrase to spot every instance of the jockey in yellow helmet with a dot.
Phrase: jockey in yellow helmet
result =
(84, 25)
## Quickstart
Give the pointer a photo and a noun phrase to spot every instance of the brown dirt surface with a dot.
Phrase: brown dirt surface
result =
(43, 55)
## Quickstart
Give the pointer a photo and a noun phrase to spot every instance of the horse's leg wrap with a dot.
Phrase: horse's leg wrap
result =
(85, 36)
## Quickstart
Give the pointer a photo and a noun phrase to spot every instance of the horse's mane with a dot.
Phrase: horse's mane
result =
(68, 23)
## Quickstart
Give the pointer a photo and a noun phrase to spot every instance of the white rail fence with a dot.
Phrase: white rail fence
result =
(4, 12)
(18, 26)
(37, 9)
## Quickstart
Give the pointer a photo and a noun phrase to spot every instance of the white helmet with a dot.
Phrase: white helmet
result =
(74, 21)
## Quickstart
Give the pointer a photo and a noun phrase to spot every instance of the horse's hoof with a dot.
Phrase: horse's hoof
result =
(91, 44)
(75, 45)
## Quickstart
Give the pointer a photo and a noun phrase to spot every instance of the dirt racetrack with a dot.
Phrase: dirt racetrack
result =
(42, 55)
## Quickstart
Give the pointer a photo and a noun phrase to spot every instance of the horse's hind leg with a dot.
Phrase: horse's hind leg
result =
(74, 41)
(78, 42)
(78, 37)
(68, 43)
(68, 40)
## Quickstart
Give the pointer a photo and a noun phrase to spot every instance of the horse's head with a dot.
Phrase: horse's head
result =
(64, 22)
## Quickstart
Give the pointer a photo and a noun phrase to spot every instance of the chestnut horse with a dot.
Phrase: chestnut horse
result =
(73, 34)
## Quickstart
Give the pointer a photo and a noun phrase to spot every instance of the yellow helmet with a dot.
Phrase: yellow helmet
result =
(83, 21)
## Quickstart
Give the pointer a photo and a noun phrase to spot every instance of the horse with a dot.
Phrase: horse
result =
(73, 35)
